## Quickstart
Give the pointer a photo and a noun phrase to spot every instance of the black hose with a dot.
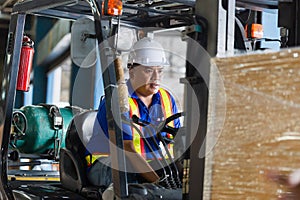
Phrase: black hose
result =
(161, 128)
(177, 179)
(164, 182)
(174, 181)
(171, 177)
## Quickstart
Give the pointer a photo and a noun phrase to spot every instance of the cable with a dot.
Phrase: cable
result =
(144, 124)
(20, 131)
(171, 177)
(165, 182)
(161, 129)
(16, 114)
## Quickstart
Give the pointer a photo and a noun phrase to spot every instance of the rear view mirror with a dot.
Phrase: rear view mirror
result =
(83, 42)
(126, 38)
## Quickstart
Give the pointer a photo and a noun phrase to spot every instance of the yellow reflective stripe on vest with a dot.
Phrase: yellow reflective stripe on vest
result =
(91, 158)
(134, 110)
(166, 103)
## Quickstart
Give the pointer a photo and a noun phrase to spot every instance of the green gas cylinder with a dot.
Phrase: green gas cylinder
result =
(40, 134)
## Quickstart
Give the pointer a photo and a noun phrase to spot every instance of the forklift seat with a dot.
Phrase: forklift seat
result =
(73, 175)
(73, 166)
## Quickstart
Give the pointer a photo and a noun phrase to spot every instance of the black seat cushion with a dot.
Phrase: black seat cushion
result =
(72, 162)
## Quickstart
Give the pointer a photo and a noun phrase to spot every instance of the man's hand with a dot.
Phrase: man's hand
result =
(139, 163)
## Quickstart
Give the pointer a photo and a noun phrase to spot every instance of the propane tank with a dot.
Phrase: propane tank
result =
(34, 132)
(25, 65)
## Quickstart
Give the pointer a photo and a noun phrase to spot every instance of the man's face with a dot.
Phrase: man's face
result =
(146, 80)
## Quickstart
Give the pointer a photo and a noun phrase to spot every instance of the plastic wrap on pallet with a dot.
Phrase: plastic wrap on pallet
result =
(254, 120)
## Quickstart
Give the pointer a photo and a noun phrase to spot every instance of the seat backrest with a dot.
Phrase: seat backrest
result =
(80, 131)
(72, 158)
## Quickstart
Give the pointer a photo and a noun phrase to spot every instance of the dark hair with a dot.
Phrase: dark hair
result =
(132, 65)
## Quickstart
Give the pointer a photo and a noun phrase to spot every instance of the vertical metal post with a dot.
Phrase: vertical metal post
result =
(197, 74)
(221, 23)
(8, 91)
(289, 17)
(104, 34)
(230, 26)
(113, 115)
(216, 43)
(220, 40)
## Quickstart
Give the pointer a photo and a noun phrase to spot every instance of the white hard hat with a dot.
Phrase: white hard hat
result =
(147, 52)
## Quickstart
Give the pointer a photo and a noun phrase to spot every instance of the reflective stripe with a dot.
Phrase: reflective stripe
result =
(168, 111)
(137, 140)
(32, 178)
(166, 103)
(91, 158)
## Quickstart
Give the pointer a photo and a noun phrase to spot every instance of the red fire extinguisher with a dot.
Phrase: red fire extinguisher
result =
(25, 65)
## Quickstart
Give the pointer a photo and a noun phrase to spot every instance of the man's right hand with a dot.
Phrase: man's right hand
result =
(139, 163)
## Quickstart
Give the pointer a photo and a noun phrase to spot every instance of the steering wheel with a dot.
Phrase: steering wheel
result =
(164, 127)
(175, 181)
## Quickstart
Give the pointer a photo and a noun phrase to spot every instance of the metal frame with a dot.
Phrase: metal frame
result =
(212, 40)
(198, 82)
(289, 18)
(107, 56)
(10, 73)
(12, 63)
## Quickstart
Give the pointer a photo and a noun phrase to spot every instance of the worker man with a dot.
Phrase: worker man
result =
(149, 102)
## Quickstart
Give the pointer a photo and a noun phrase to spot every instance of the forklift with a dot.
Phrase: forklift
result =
(104, 18)
(105, 25)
